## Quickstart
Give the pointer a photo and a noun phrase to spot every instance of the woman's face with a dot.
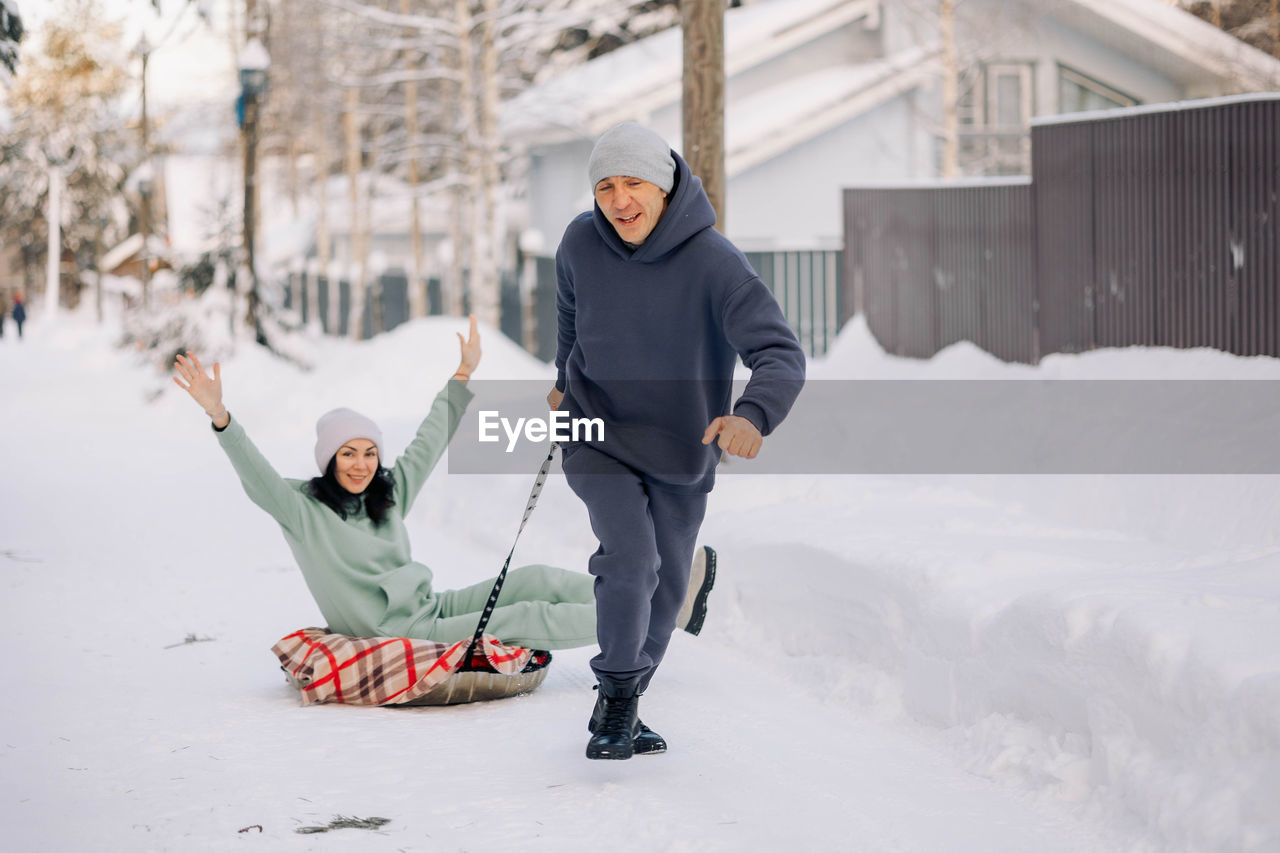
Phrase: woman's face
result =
(355, 464)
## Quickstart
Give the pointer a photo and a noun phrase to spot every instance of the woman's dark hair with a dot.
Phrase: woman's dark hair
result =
(378, 497)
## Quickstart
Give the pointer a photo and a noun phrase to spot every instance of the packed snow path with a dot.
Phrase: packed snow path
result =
(890, 663)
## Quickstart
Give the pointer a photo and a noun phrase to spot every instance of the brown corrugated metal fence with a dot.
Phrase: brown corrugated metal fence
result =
(1148, 227)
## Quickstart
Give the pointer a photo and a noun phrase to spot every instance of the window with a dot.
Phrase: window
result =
(1008, 97)
(1078, 92)
(995, 108)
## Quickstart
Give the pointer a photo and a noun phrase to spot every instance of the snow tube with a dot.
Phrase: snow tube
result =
(328, 667)
(478, 685)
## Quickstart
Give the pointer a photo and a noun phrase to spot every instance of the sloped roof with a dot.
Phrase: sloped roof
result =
(636, 79)
(131, 247)
(770, 122)
(1169, 39)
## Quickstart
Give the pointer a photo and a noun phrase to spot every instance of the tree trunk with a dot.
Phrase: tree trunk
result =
(465, 196)
(455, 283)
(1275, 28)
(373, 283)
(356, 255)
(97, 285)
(53, 279)
(417, 288)
(703, 105)
(950, 91)
(484, 178)
(324, 239)
(146, 194)
(490, 226)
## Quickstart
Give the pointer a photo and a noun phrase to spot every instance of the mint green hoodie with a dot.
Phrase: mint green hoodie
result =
(354, 569)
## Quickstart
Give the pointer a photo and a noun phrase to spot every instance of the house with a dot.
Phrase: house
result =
(824, 94)
(126, 258)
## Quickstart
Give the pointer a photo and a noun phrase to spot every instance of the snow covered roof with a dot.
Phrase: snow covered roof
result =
(131, 246)
(1142, 109)
(123, 250)
(1170, 40)
(636, 79)
(766, 124)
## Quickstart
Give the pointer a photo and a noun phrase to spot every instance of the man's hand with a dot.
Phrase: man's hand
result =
(554, 398)
(737, 436)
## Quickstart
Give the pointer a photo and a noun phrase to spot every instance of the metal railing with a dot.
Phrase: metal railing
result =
(807, 284)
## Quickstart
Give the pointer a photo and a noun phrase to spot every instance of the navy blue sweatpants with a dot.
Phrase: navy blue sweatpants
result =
(647, 535)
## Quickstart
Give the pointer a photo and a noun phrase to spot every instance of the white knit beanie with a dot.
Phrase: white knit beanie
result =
(339, 426)
(635, 151)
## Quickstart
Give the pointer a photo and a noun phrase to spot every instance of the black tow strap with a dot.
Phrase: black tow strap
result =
(502, 575)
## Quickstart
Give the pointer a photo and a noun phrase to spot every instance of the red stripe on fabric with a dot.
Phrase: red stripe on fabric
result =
(335, 667)
(333, 671)
(409, 663)
(308, 645)
(442, 662)
(411, 671)
(364, 653)
(496, 657)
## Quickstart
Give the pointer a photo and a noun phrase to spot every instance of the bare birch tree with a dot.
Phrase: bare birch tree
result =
(422, 84)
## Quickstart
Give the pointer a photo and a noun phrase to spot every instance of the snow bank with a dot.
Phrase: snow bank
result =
(1106, 640)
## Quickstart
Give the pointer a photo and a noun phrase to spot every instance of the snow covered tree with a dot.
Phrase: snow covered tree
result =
(1255, 22)
(64, 134)
(10, 35)
(425, 79)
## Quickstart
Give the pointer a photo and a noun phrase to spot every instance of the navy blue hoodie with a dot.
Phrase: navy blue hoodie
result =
(649, 337)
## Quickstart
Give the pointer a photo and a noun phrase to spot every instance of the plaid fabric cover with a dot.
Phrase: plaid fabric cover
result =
(382, 670)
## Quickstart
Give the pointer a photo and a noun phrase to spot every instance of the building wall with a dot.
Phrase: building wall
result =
(852, 43)
(558, 190)
(1056, 44)
(794, 201)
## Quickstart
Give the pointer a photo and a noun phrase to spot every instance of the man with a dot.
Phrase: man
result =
(19, 313)
(655, 306)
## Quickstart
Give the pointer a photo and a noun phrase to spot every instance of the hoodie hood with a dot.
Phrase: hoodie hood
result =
(688, 212)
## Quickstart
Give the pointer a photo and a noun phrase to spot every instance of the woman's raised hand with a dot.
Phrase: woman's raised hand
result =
(470, 347)
(205, 390)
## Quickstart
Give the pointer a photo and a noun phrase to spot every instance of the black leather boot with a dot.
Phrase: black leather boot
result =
(616, 732)
(702, 577)
(647, 742)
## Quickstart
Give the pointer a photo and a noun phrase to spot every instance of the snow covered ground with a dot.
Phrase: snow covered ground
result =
(890, 663)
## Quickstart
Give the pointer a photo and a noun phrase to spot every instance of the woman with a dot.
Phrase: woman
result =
(346, 527)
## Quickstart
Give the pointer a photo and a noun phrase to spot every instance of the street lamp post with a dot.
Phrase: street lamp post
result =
(53, 270)
(102, 222)
(146, 187)
(254, 62)
(146, 183)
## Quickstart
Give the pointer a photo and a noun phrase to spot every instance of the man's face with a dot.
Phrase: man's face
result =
(631, 205)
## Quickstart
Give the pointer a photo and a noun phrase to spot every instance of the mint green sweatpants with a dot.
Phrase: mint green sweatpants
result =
(541, 607)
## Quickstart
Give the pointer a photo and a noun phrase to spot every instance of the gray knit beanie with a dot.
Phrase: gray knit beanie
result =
(635, 151)
(339, 426)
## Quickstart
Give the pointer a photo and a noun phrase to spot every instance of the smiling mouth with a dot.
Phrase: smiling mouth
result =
(629, 220)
